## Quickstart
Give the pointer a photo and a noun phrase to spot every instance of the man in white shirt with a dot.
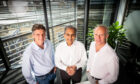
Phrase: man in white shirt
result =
(103, 64)
(38, 58)
(70, 57)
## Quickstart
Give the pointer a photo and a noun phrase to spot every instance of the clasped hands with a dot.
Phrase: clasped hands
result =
(71, 70)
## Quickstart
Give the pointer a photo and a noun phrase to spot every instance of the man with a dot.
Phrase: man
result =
(102, 65)
(38, 58)
(70, 57)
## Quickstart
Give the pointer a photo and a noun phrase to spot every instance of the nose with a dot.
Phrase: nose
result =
(41, 36)
(98, 36)
(70, 37)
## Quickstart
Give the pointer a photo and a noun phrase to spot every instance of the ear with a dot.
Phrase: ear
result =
(32, 35)
(64, 35)
(107, 36)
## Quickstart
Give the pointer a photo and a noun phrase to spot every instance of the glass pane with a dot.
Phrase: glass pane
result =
(2, 67)
(16, 20)
(134, 5)
(80, 20)
(131, 24)
(100, 12)
(60, 13)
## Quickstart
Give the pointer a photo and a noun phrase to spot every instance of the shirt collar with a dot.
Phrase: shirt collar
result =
(104, 47)
(73, 44)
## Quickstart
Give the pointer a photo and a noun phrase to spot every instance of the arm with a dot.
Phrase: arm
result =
(53, 58)
(113, 69)
(26, 68)
(89, 56)
(83, 58)
(58, 61)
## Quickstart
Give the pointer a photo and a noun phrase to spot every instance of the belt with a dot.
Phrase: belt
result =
(47, 73)
(96, 78)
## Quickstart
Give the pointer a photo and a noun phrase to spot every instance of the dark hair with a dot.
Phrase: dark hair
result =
(71, 27)
(37, 27)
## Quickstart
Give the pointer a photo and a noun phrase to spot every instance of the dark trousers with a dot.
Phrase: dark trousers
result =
(76, 78)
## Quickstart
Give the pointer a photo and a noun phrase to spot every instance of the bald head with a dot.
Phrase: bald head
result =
(102, 27)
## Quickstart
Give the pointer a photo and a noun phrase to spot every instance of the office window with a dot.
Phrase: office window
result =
(60, 14)
(2, 67)
(80, 19)
(16, 20)
(133, 5)
(100, 12)
(131, 21)
(131, 24)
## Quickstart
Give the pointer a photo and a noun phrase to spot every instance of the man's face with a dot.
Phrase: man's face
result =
(39, 37)
(100, 35)
(69, 36)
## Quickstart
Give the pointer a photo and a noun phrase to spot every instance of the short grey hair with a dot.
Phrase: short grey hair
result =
(71, 27)
(103, 26)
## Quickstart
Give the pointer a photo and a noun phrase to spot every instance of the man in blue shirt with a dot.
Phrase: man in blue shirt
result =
(38, 59)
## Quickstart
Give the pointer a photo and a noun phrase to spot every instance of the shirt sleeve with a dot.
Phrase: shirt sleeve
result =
(26, 68)
(113, 69)
(83, 60)
(58, 61)
(89, 56)
(53, 58)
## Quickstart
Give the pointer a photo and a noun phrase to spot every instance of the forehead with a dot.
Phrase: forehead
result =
(39, 31)
(101, 30)
(70, 30)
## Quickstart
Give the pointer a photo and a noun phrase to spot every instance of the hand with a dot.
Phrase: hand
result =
(71, 70)
(68, 70)
(74, 67)
(97, 82)
(54, 70)
(87, 71)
